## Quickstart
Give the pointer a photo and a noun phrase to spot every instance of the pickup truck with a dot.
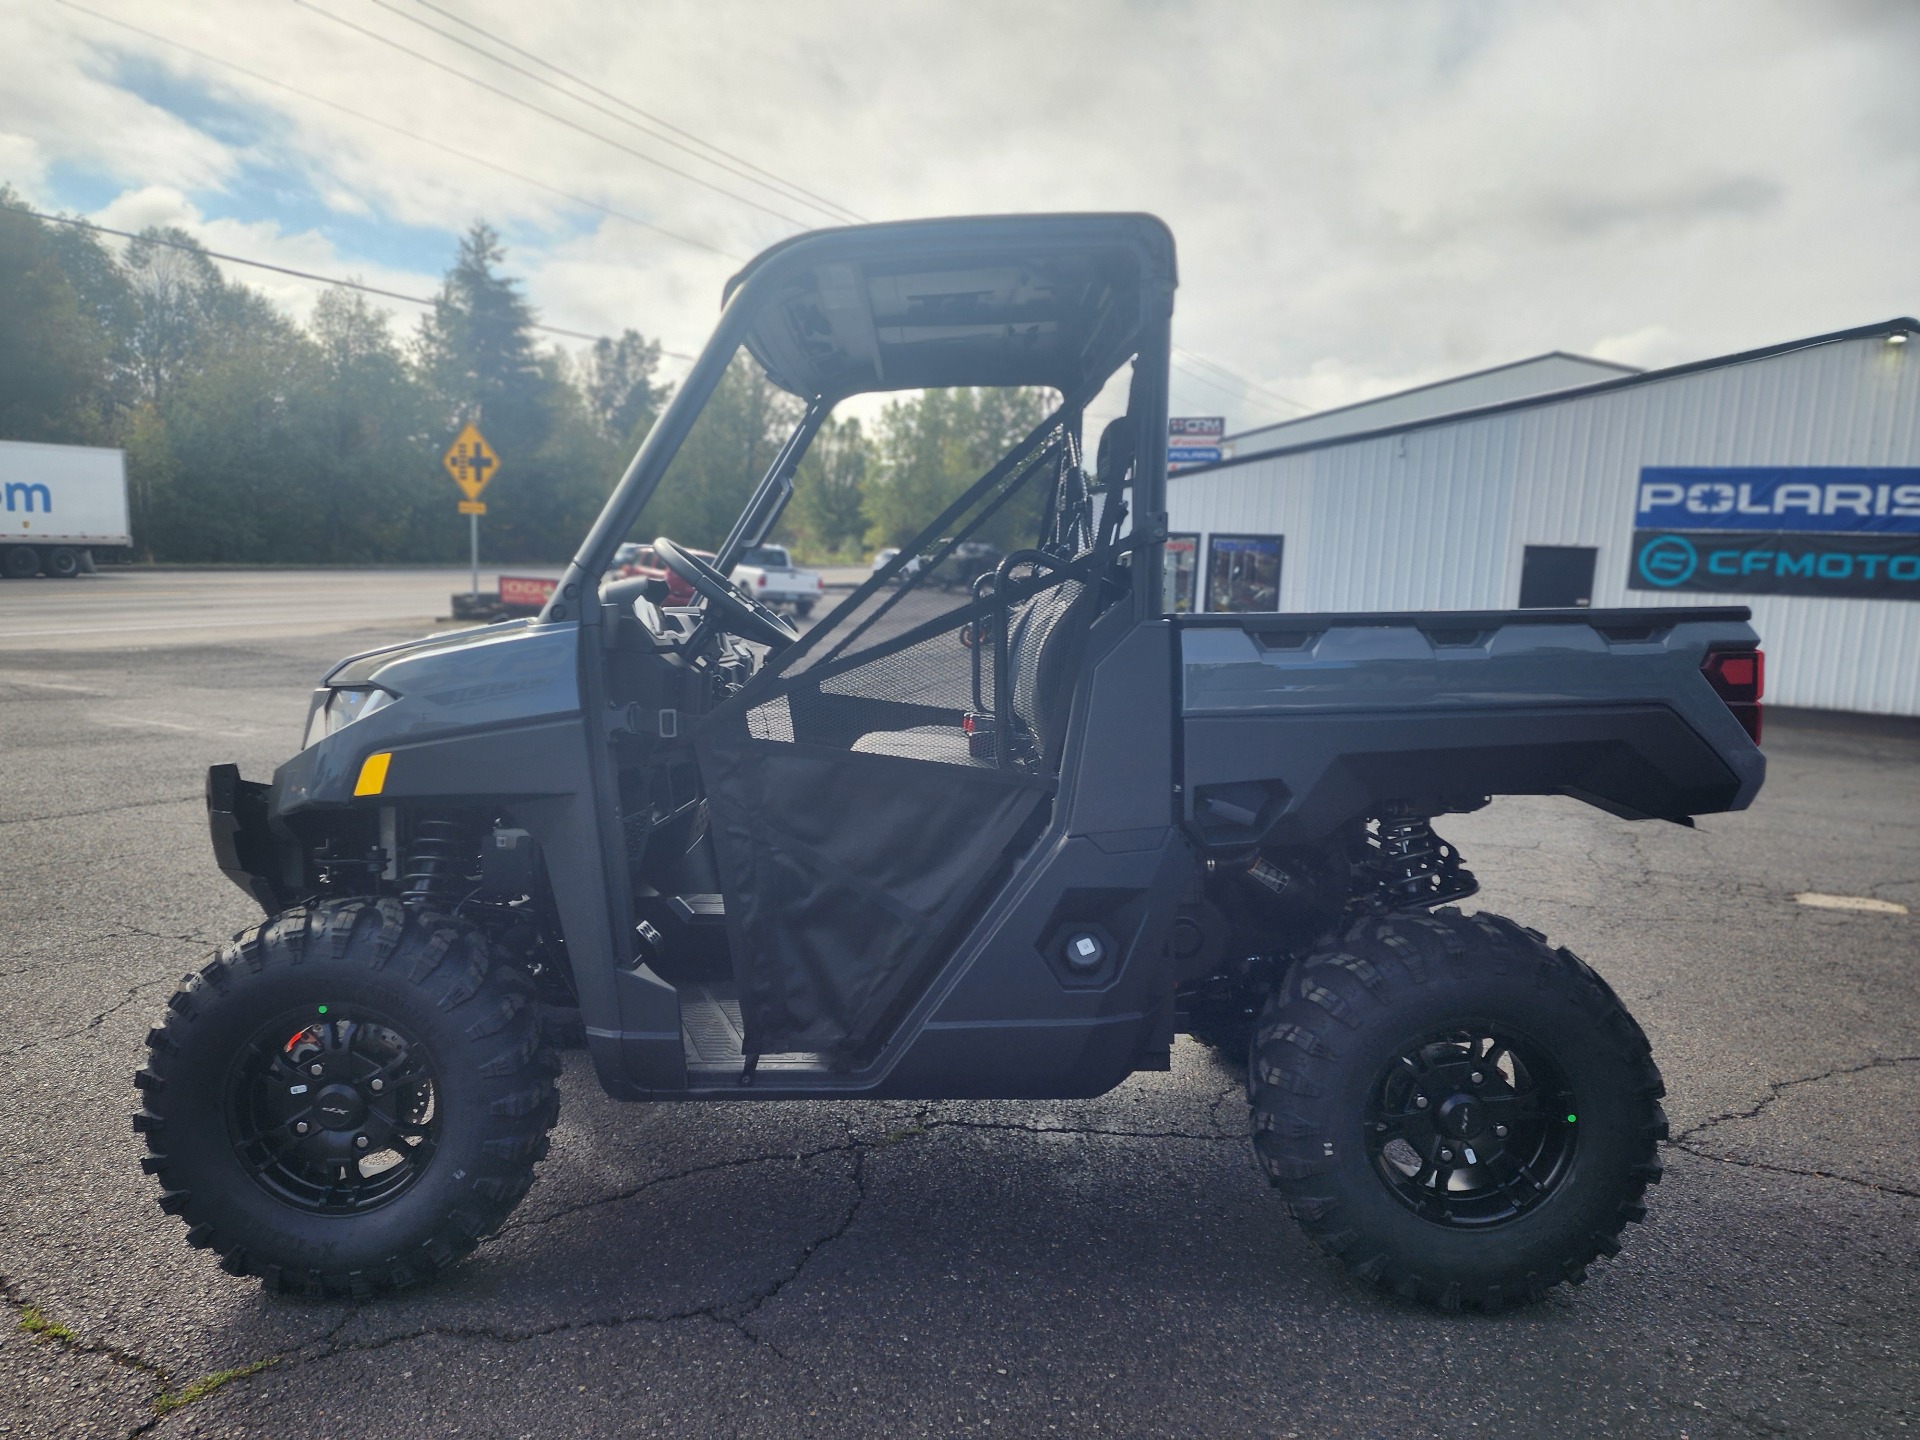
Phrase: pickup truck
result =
(769, 574)
(1005, 841)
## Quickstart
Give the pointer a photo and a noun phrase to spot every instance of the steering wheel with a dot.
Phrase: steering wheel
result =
(739, 612)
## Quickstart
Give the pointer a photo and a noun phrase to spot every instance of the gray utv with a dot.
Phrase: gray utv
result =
(1005, 838)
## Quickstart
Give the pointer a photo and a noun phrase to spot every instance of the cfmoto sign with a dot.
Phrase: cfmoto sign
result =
(1666, 561)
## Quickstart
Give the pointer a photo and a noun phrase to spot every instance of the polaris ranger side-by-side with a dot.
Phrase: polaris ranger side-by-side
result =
(1001, 839)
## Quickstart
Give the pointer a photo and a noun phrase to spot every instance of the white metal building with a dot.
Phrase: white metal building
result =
(1786, 479)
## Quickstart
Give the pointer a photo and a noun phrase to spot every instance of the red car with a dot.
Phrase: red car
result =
(635, 559)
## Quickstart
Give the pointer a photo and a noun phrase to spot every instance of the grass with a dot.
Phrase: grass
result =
(169, 1401)
(43, 1326)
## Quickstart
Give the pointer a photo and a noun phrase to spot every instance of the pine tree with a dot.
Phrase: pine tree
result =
(476, 350)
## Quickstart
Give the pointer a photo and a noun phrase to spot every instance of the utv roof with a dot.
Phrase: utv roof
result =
(986, 300)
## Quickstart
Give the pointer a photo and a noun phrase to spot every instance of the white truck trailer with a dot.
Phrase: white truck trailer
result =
(56, 503)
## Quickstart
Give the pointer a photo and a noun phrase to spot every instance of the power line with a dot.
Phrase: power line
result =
(1238, 392)
(1243, 388)
(645, 114)
(773, 183)
(525, 104)
(408, 134)
(1239, 379)
(197, 249)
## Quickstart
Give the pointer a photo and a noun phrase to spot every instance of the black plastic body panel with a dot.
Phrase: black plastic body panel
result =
(264, 863)
(1349, 711)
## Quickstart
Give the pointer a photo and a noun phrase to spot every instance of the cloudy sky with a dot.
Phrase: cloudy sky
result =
(1366, 194)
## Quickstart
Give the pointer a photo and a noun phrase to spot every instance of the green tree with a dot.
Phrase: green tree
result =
(827, 518)
(53, 353)
(372, 422)
(622, 388)
(477, 353)
(934, 445)
(745, 421)
(476, 350)
(176, 294)
(248, 483)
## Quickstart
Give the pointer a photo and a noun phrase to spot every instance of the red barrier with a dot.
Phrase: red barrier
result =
(525, 592)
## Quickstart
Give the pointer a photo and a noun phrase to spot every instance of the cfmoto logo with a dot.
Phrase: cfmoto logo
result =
(1668, 561)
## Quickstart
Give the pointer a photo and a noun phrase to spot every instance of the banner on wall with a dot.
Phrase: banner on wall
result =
(1830, 531)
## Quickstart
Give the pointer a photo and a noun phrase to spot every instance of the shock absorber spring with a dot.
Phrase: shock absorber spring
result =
(440, 862)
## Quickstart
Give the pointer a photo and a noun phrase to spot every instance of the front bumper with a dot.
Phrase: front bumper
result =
(260, 859)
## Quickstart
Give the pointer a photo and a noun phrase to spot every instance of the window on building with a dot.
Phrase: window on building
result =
(1556, 577)
(1243, 572)
(1179, 573)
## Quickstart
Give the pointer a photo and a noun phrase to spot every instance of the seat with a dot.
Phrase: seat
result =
(1042, 656)
(945, 744)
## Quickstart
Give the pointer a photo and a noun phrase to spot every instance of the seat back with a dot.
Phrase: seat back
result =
(1045, 632)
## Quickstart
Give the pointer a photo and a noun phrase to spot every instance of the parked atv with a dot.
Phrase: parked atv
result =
(1001, 841)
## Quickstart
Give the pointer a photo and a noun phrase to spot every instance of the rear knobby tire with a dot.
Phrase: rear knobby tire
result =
(1328, 1079)
(422, 986)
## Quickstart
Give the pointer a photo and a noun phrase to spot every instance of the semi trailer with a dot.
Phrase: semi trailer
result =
(57, 504)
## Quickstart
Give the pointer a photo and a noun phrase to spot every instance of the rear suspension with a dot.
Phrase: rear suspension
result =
(1413, 868)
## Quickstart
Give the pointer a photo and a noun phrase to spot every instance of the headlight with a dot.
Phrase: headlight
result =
(342, 708)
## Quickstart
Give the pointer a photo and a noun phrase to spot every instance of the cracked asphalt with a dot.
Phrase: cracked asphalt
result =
(1112, 1266)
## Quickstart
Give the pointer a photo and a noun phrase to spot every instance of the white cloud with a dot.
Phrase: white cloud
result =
(263, 240)
(1365, 195)
(22, 165)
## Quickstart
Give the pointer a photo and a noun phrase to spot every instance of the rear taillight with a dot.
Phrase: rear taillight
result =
(1739, 677)
(760, 582)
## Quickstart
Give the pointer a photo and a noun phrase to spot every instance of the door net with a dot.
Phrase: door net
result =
(868, 784)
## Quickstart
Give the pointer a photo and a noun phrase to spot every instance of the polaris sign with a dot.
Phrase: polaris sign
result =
(1777, 531)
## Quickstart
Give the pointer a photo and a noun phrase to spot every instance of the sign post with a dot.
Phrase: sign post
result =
(471, 461)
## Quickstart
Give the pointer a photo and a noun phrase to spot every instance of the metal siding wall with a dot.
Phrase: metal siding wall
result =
(1439, 517)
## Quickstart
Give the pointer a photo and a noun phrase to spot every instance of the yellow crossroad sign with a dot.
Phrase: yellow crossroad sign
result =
(471, 462)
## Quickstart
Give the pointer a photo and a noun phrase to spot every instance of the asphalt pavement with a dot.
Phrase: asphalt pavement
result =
(1115, 1266)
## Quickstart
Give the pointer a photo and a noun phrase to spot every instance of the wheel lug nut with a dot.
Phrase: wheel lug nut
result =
(1420, 1102)
(1478, 1077)
(315, 1069)
(360, 1141)
(376, 1086)
(1500, 1132)
(1446, 1155)
(301, 1128)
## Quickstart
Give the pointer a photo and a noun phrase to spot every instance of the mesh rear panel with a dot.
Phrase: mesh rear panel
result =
(1035, 635)
(856, 682)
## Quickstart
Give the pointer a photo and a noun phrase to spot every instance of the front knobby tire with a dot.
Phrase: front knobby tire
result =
(1455, 1110)
(347, 1099)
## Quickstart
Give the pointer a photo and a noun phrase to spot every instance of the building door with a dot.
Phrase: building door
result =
(1557, 577)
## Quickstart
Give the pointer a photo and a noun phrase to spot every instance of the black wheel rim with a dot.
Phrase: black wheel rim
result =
(334, 1109)
(1472, 1125)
